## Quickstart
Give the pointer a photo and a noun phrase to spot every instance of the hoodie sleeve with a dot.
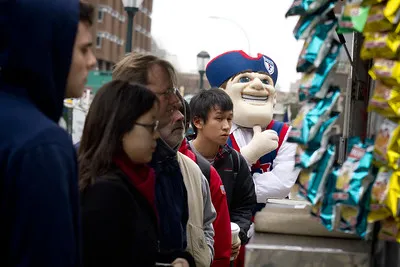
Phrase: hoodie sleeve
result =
(243, 200)
(46, 216)
(209, 215)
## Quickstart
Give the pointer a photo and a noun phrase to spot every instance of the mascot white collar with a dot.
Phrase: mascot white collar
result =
(250, 82)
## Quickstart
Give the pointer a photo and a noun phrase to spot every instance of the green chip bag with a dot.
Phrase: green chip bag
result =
(354, 17)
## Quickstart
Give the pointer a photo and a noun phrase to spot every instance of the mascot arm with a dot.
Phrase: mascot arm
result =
(262, 143)
(278, 182)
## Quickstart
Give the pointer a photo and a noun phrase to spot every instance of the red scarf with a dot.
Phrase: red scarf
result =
(142, 177)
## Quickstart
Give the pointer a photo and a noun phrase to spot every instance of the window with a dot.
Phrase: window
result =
(100, 15)
(98, 41)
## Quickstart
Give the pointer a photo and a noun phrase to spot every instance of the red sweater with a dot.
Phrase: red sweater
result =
(141, 176)
(222, 224)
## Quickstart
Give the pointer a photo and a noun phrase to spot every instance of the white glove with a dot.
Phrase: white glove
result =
(262, 143)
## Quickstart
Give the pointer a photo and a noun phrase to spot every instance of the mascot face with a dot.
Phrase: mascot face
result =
(253, 96)
(250, 82)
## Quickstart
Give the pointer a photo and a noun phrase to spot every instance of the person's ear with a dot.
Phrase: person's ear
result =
(198, 123)
(274, 99)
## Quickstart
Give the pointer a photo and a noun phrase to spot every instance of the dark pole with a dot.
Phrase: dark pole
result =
(201, 79)
(131, 13)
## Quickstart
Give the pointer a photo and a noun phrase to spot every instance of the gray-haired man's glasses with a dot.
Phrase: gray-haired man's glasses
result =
(168, 92)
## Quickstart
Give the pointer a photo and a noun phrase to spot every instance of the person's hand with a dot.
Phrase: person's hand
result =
(179, 262)
(262, 143)
(236, 248)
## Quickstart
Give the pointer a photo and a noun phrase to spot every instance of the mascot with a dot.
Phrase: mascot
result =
(250, 82)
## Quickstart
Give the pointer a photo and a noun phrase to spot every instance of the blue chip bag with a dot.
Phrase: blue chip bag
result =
(312, 180)
(313, 84)
(317, 46)
(307, 23)
(327, 210)
(303, 7)
(311, 116)
(354, 219)
(354, 177)
(308, 155)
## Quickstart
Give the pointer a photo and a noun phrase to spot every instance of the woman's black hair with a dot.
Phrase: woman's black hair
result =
(113, 112)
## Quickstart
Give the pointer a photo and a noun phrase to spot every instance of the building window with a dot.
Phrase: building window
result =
(100, 15)
(98, 41)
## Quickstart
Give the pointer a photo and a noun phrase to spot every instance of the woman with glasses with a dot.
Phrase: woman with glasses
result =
(119, 218)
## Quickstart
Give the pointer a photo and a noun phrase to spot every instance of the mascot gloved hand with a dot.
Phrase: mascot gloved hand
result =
(262, 143)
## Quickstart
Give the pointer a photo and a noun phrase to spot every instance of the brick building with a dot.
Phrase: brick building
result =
(109, 31)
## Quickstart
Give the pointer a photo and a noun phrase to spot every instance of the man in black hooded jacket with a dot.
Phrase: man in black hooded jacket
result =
(41, 41)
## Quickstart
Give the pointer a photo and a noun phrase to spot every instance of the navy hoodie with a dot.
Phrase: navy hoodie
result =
(39, 216)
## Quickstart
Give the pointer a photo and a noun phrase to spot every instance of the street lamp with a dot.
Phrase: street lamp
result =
(131, 7)
(237, 25)
(202, 59)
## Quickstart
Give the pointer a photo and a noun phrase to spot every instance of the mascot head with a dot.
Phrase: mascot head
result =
(250, 82)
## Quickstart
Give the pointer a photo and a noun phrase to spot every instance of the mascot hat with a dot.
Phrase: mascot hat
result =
(228, 64)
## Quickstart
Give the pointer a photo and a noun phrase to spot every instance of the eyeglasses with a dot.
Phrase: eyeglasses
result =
(152, 127)
(168, 92)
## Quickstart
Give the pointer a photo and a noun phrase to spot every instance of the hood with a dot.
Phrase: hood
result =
(36, 50)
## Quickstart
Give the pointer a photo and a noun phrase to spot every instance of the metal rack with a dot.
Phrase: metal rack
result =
(277, 249)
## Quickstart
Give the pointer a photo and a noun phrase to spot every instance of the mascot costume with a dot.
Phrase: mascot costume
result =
(250, 82)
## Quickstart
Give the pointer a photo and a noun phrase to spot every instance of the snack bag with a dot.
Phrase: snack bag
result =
(380, 189)
(393, 196)
(392, 11)
(328, 208)
(313, 84)
(371, 2)
(353, 18)
(380, 45)
(307, 23)
(353, 177)
(311, 116)
(386, 70)
(325, 213)
(389, 231)
(317, 46)
(386, 145)
(353, 218)
(385, 101)
(298, 122)
(312, 181)
(376, 21)
(303, 7)
(348, 218)
(308, 155)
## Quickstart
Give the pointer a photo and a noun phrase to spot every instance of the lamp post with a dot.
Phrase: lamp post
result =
(202, 59)
(131, 7)
(237, 25)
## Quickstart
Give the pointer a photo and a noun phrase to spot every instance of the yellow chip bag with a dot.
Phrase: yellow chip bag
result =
(386, 70)
(376, 21)
(393, 154)
(371, 2)
(389, 231)
(380, 45)
(380, 188)
(393, 196)
(385, 101)
(392, 11)
(385, 140)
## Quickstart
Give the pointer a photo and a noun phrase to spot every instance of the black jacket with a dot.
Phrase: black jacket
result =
(119, 226)
(239, 187)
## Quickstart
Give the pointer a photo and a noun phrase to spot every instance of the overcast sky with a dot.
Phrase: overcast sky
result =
(183, 28)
